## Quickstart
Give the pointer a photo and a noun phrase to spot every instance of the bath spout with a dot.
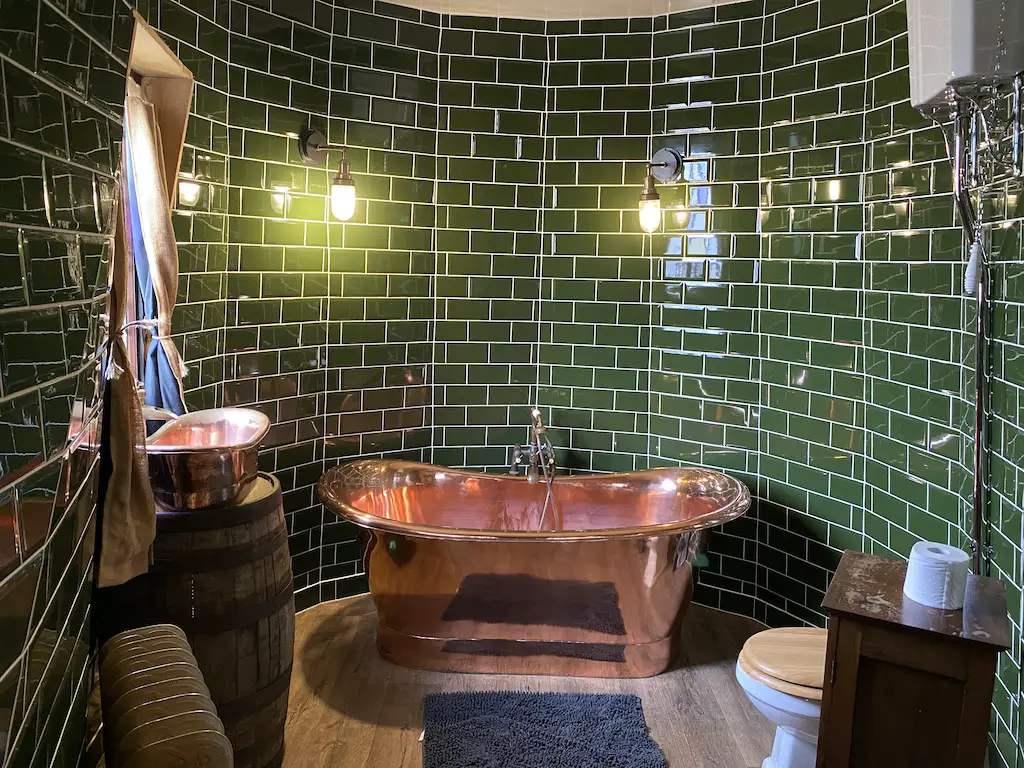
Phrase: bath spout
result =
(538, 454)
(536, 422)
(542, 465)
(542, 452)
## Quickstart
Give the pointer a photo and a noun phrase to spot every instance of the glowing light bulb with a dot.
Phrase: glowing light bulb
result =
(650, 204)
(343, 192)
(343, 199)
(650, 215)
(188, 193)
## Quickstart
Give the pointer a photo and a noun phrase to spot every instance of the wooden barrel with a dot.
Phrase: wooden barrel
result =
(224, 575)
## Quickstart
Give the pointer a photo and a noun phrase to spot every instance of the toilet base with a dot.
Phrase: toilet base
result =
(792, 749)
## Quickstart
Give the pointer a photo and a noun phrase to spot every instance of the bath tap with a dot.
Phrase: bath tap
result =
(542, 455)
(529, 454)
(539, 453)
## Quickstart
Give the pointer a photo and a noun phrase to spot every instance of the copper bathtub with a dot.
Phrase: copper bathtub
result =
(471, 573)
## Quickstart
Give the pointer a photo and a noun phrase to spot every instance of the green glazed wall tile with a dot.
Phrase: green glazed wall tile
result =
(801, 324)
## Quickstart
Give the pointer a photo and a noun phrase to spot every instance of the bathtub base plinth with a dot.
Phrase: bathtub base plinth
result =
(527, 657)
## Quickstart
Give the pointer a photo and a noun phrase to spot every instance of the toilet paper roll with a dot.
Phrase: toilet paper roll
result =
(937, 575)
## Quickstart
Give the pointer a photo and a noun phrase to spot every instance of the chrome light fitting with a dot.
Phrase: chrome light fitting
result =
(313, 149)
(666, 167)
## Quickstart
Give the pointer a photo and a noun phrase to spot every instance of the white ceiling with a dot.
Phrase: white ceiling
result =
(555, 10)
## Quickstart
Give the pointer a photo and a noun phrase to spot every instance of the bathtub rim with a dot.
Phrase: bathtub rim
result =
(735, 508)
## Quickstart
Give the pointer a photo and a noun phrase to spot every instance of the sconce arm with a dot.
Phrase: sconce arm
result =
(313, 147)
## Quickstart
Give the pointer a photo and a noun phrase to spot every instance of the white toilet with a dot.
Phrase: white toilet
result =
(782, 671)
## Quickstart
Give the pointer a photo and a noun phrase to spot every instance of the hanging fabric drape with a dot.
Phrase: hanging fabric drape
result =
(155, 251)
(145, 235)
(129, 510)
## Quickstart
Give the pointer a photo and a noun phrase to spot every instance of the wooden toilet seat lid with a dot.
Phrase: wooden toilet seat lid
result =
(790, 659)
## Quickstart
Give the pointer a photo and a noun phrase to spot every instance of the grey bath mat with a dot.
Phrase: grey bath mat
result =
(536, 730)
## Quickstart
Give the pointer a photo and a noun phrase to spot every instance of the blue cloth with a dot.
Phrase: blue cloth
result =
(537, 730)
(161, 385)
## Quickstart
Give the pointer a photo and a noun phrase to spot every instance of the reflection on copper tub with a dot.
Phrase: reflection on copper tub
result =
(464, 578)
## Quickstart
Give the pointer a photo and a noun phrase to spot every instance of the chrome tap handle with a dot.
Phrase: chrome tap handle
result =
(517, 460)
(547, 456)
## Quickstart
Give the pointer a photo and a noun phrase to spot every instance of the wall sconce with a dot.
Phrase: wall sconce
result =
(313, 148)
(666, 167)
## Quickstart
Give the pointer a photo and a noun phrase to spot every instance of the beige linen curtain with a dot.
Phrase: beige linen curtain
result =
(154, 209)
(129, 513)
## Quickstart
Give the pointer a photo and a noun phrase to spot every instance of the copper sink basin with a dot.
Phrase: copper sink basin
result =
(205, 458)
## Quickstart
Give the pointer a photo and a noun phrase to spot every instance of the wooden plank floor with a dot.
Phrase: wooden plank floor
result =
(351, 709)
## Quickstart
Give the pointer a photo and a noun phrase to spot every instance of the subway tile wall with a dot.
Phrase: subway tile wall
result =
(1003, 218)
(595, 309)
(63, 75)
(490, 195)
(706, 390)
(798, 322)
(325, 327)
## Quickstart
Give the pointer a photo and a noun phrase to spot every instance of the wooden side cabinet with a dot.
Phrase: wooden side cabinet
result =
(905, 684)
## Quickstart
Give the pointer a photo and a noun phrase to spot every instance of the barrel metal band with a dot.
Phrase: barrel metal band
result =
(240, 614)
(205, 561)
(239, 709)
(249, 754)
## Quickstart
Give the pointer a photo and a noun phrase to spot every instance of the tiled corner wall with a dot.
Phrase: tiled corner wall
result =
(798, 322)
(63, 75)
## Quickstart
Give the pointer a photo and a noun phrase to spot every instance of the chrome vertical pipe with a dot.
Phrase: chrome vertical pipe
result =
(958, 157)
(962, 149)
(967, 154)
(978, 532)
(1017, 121)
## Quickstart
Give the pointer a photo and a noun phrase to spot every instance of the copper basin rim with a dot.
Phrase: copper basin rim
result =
(427, 501)
(205, 458)
(215, 430)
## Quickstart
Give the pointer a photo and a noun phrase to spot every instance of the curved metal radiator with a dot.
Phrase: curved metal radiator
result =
(156, 707)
